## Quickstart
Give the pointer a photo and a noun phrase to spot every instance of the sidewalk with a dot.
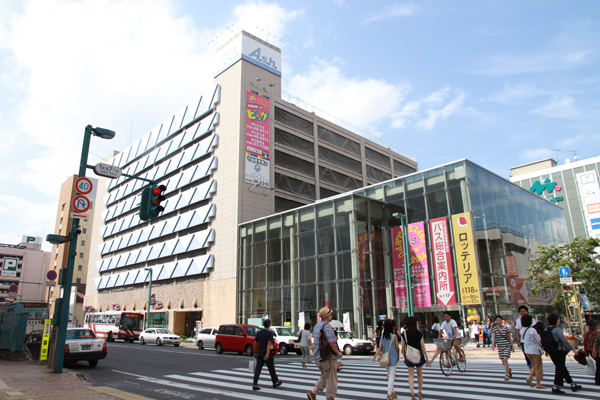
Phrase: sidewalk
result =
(29, 380)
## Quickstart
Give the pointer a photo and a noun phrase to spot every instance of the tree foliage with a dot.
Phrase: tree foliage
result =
(581, 256)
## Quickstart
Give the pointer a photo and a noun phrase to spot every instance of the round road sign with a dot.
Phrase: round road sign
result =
(13, 288)
(564, 271)
(83, 185)
(81, 204)
(51, 275)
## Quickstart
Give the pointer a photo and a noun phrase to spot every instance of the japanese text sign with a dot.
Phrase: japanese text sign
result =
(442, 257)
(466, 259)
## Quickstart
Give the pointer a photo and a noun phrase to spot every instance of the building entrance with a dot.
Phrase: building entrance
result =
(190, 321)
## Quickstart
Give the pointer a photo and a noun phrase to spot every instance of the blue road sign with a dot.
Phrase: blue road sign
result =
(13, 288)
(564, 271)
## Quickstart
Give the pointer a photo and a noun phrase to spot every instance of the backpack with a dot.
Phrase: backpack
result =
(548, 343)
(324, 348)
(435, 334)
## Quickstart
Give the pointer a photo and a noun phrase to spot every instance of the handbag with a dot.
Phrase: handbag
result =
(412, 354)
(310, 344)
(590, 368)
(384, 360)
(252, 365)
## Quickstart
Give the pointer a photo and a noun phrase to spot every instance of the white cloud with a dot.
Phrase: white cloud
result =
(559, 107)
(429, 110)
(341, 4)
(275, 18)
(577, 56)
(397, 10)
(512, 94)
(34, 219)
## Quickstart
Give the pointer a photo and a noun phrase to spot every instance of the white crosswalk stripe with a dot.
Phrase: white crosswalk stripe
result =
(361, 379)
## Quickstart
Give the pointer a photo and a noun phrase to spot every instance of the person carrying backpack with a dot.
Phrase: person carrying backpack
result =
(557, 347)
(435, 329)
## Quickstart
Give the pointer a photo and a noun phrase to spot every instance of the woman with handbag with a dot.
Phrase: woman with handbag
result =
(305, 343)
(415, 355)
(389, 350)
(503, 339)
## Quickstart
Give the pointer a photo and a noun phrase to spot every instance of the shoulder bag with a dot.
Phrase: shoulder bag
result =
(412, 354)
(384, 360)
(324, 348)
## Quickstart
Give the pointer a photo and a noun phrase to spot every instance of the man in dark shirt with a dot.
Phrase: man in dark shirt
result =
(263, 341)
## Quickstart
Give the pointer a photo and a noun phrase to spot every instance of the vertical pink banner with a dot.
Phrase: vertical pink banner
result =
(418, 258)
(257, 169)
(444, 276)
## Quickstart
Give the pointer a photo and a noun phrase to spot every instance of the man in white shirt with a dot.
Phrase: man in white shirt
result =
(475, 333)
(523, 310)
(450, 331)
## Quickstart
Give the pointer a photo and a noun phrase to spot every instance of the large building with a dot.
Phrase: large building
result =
(573, 186)
(239, 153)
(473, 236)
(60, 253)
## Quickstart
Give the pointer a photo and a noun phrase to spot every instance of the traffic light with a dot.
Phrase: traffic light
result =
(569, 293)
(150, 206)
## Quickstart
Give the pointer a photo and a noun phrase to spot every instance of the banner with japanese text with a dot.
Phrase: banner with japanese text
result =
(442, 258)
(418, 259)
(257, 139)
(466, 259)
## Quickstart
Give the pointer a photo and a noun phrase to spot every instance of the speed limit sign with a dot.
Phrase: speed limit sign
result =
(83, 186)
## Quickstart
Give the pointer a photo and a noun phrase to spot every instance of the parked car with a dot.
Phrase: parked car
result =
(286, 340)
(82, 345)
(206, 338)
(238, 337)
(349, 344)
(159, 336)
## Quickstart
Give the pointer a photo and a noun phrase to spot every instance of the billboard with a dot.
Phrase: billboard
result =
(257, 139)
(442, 260)
(9, 266)
(246, 48)
(466, 259)
(589, 191)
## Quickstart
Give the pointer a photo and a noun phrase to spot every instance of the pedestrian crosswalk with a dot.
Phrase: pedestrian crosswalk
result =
(362, 379)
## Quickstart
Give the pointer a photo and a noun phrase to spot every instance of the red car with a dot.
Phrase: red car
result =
(238, 337)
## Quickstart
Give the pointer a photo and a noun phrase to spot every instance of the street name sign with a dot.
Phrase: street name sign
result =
(566, 280)
(564, 271)
(108, 171)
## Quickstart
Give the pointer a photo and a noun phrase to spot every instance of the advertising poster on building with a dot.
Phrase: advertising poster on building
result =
(589, 190)
(466, 259)
(257, 139)
(418, 259)
(442, 257)
(9, 266)
(364, 270)
(520, 293)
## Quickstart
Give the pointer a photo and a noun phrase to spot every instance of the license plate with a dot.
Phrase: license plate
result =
(86, 347)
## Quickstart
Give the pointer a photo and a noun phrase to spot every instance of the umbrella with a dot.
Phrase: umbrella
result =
(336, 324)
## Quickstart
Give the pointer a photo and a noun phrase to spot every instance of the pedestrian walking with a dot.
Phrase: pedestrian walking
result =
(532, 346)
(557, 346)
(435, 328)
(389, 345)
(523, 310)
(412, 340)
(378, 332)
(589, 338)
(263, 342)
(305, 341)
(503, 339)
(475, 333)
(596, 357)
(326, 356)
(486, 329)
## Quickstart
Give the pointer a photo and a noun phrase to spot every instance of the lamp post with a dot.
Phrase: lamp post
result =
(61, 311)
(408, 276)
(149, 297)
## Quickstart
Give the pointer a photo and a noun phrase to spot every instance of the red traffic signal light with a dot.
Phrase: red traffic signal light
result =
(150, 207)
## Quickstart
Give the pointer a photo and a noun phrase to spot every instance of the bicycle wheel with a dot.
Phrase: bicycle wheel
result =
(461, 365)
(445, 363)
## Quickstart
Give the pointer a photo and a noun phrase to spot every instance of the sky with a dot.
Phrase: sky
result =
(497, 82)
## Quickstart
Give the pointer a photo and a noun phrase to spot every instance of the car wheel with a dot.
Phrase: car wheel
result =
(110, 337)
(200, 345)
(93, 363)
(283, 350)
(348, 350)
(219, 348)
(158, 342)
(176, 344)
(249, 350)
(142, 341)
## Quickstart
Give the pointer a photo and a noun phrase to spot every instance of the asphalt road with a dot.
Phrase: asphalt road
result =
(132, 367)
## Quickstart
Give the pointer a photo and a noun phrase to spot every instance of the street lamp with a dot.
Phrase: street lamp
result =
(61, 312)
(149, 297)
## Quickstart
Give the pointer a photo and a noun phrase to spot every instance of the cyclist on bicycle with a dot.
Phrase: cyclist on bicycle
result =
(450, 331)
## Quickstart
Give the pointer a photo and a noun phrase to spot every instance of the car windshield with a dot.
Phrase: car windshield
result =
(251, 331)
(80, 334)
(164, 331)
(284, 332)
(344, 335)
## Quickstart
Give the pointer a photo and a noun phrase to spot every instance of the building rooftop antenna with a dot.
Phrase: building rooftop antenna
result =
(574, 153)
(554, 151)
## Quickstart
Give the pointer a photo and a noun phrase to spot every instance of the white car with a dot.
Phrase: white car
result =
(206, 338)
(348, 344)
(82, 345)
(285, 339)
(159, 336)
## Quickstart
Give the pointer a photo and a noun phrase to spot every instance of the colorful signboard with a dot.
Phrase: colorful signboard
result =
(520, 293)
(589, 191)
(418, 259)
(45, 340)
(442, 257)
(9, 266)
(257, 139)
(511, 266)
(466, 259)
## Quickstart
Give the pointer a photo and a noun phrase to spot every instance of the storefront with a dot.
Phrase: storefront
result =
(472, 234)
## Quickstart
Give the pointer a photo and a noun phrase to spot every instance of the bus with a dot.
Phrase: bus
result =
(111, 325)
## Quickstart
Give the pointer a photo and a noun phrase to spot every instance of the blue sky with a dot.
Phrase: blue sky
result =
(498, 82)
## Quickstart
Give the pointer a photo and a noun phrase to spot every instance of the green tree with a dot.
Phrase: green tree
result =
(581, 256)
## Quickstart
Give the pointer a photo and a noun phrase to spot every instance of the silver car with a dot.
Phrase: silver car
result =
(206, 338)
(159, 336)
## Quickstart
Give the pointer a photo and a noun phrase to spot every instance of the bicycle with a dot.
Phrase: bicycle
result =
(450, 357)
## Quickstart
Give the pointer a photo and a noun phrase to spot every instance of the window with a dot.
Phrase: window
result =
(296, 186)
(83, 242)
(294, 163)
(377, 157)
(402, 168)
(338, 179)
(294, 142)
(340, 160)
(377, 174)
(338, 140)
(78, 281)
(83, 230)
(79, 267)
(293, 121)
(80, 255)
